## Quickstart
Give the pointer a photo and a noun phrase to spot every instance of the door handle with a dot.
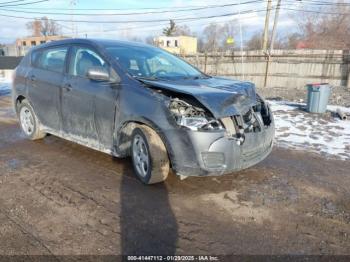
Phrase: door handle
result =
(32, 78)
(67, 87)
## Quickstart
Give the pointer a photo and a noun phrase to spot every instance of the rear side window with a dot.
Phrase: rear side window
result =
(52, 59)
(25, 61)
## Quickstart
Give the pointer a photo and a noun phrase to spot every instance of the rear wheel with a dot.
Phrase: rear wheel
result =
(149, 156)
(29, 122)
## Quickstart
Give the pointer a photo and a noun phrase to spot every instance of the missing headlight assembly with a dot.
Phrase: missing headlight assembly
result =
(254, 120)
(192, 117)
(189, 114)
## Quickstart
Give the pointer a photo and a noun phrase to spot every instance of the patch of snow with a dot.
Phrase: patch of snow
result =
(281, 105)
(332, 108)
(298, 129)
(5, 86)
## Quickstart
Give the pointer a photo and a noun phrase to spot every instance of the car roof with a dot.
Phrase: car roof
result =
(94, 42)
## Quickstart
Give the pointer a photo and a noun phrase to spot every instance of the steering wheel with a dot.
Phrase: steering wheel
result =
(159, 73)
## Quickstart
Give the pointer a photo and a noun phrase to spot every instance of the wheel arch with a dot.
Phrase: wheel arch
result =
(19, 100)
(124, 133)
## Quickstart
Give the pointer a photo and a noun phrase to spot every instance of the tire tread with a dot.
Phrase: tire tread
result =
(159, 157)
(37, 134)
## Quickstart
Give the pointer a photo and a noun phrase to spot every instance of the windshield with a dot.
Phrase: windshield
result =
(151, 63)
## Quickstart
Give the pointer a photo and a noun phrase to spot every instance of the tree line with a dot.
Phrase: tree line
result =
(327, 29)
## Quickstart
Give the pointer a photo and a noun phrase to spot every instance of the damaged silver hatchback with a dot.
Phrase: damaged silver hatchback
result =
(130, 99)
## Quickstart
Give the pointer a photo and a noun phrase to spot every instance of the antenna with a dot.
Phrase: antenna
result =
(72, 4)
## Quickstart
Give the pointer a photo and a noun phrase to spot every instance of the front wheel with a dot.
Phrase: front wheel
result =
(149, 156)
(29, 122)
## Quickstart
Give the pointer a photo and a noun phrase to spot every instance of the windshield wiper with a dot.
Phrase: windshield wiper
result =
(152, 78)
(202, 76)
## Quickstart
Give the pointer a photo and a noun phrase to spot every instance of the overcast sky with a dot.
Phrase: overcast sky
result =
(12, 28)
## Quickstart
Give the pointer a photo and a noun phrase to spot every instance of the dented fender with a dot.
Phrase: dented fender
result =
(222, 97)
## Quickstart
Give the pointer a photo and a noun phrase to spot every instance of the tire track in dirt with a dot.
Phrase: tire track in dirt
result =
(66, 211)
(79, 201)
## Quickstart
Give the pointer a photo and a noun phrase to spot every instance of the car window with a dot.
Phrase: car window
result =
(140, 61)
(51, 59)
(158, 63)
(84, 59)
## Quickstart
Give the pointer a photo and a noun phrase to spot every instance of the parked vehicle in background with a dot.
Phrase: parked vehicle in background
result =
(131, 99)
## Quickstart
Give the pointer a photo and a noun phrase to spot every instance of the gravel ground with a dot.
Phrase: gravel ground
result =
(339, 95)
(60, 198)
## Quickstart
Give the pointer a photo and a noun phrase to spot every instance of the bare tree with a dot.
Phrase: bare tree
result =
(293, 40)
(34, 27)
(255, 42)
(229, 30)
(135, 39)
(183, 30)
(170, 30)
(328, 29)
(149, 40)
(212, 37)
(43, 27)
(49, 27)
(201, 44)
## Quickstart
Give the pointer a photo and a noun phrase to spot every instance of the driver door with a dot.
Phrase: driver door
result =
(88, 106)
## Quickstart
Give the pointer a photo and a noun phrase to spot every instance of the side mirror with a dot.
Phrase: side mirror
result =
(98, 73)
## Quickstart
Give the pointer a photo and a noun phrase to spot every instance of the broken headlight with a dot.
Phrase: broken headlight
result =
(192, 117)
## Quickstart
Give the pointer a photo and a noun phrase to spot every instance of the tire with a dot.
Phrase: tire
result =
(28, 121)
(147, 148)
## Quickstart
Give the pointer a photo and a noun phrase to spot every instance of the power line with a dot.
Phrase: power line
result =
(135, 21)
(318, 3)
(130, 9)
(151, 26)
(20, 4)
(138, 26)
(308, 2)
(314, 11)
(132, 13)
(11, 2)
(112, 9)
(312, 2)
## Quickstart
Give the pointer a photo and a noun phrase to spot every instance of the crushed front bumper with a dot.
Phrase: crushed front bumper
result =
(214, 153)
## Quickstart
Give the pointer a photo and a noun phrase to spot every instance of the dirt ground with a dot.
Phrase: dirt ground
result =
(339, 95)
(60, 198)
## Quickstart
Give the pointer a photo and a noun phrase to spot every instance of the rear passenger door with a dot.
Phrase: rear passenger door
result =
(44, 83)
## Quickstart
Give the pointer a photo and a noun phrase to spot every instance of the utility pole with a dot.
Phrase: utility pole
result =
(273, 36)
(267, 20)
(72, 4)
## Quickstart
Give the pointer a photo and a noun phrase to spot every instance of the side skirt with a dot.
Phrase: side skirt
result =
(90, 143)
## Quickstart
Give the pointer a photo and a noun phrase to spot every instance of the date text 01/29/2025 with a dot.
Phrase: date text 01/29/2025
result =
(173, 258)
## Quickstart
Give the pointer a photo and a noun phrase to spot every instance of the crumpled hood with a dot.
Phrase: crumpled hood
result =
(222, 97)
